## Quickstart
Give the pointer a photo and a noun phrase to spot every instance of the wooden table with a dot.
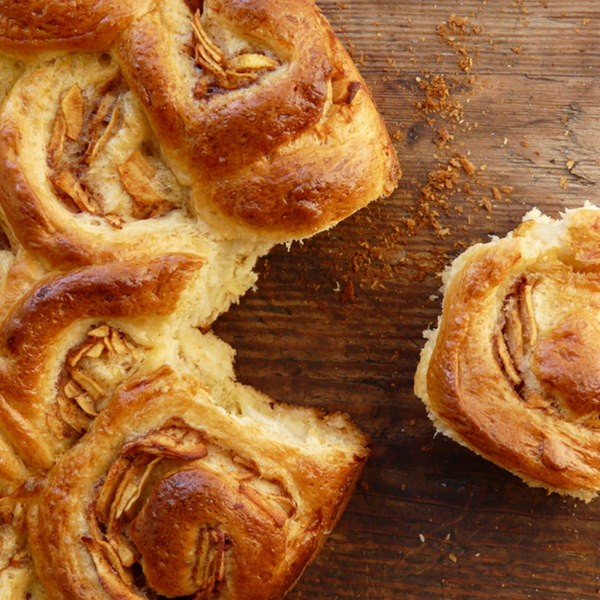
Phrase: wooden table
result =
(337, 322)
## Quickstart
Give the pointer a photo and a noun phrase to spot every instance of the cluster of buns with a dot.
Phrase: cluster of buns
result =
(513, 369)
(150, 152)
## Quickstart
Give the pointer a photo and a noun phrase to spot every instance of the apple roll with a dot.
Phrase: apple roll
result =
(512, 369)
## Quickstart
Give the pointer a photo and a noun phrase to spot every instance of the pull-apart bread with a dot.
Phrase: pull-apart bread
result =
(150, 152)
(513, 369)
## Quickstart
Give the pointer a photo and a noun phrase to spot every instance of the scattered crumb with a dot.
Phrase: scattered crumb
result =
(348, 293)
(486, 203)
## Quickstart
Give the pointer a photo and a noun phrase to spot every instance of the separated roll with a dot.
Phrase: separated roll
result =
(513, 370)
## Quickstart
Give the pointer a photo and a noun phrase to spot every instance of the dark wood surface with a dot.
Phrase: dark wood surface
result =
(337, 321)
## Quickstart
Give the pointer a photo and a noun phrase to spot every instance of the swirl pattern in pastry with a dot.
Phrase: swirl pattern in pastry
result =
(271, 96)
(185, 501)
(150, 152)
(512, 370)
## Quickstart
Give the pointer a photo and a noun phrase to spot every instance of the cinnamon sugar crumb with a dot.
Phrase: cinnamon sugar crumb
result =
(348, 293)
(486, 203)
(468, 166)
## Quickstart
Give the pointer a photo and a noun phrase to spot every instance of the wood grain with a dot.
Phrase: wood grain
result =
(338, 321)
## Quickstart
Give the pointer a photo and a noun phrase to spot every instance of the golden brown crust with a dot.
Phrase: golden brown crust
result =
(279, 157)
(33, 329)
(257, 531)
(150, 152)
(33, 26)
(277, 136)
(74, 201)
(512, 370)
(119, 290)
